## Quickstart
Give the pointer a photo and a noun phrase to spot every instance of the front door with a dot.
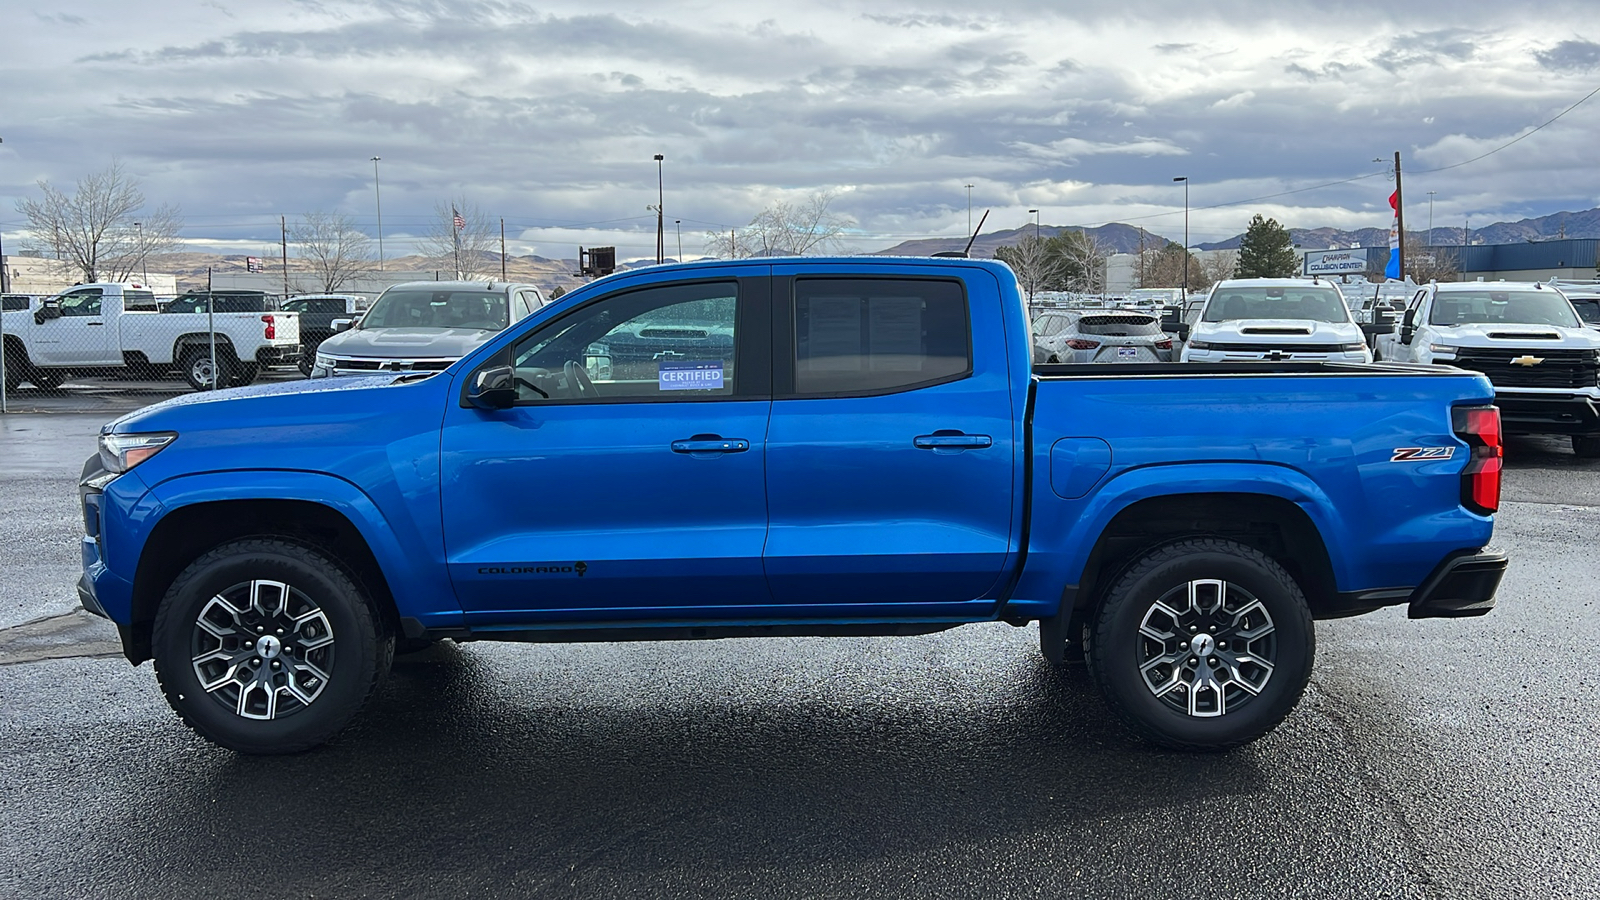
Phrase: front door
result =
(891, 456)
(629, 476)
(81, 336)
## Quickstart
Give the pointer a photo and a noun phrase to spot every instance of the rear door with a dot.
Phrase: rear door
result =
(890, 456)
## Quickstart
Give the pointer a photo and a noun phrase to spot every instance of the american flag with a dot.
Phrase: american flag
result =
(460, 222)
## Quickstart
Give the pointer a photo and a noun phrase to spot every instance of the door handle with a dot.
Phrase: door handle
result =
(710, 443)
(94, 323)
(952, 440)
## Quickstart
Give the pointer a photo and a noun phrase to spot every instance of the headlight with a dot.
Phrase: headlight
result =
(1199, 345)
(121, 452)
(1443, 348)
(324, 361)
(1355, 347)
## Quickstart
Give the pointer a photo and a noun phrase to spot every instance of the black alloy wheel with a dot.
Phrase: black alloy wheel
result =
(1202, 644)
(265, 646)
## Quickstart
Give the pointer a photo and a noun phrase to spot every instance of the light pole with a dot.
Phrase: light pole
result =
(1185, 180)
(661, 216)
(1430, 217)
(1035, 214)
(679, 224)
(969, 188)
(378, 193)
(144, 269)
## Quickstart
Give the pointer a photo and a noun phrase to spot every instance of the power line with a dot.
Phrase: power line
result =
(1513, 140)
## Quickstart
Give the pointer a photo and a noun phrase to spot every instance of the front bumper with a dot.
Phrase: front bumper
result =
(1553, 413)
(1462, 585)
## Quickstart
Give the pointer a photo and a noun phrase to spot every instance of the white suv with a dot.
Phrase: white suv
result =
(1274, 319)
(1544, 364)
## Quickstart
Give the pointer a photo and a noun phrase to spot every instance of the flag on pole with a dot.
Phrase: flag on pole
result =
(1393, 269)
(460, 222)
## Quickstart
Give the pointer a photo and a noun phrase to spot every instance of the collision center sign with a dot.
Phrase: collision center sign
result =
(1336, 262)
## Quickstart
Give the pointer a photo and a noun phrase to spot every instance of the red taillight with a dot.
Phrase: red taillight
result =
(1479, 426)
(1081, 344)
(272, 327)
(1164, 345)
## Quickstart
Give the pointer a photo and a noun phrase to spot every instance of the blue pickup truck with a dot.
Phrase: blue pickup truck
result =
(788, 447)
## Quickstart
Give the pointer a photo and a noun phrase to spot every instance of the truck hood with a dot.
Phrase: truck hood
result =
(1516, 336)
(406, 343)
(1277, 331)
(235, 403)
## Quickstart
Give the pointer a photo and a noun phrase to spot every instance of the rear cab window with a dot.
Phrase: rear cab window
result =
(856, 336)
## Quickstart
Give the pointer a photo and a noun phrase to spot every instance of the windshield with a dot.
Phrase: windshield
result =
(1310, 303)
(418, 308)
(1510, 307)
(196, 303)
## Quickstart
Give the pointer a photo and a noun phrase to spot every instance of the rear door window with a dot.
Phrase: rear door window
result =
(861, 335)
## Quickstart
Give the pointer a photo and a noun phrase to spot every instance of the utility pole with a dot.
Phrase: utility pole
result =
(1400, 215)
(1430, 217)
(283, 239)
(661, 217)
(503, 249)
(1185, 180)
(378, 192)
(679, 224)
(1141, 256)
(969, 188)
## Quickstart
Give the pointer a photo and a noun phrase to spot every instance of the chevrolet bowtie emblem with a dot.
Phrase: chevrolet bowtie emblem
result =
(1527, 361)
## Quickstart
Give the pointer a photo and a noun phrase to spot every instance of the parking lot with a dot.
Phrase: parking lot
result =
(1430, 759)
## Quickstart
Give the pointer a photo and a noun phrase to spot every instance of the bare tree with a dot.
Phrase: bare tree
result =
(1425, 264)
(1165, 268)
(1036, 265)
(335, 249)
(783, 229)
(1219, 265)
(101, 230)
(470, 250)
(1082, 261)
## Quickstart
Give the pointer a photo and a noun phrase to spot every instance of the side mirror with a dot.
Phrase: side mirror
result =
(50, 309)
(1171, 318)
(342, 325)
(1382, 316)
(1408, 326)
(493, 388)
(1183, 332)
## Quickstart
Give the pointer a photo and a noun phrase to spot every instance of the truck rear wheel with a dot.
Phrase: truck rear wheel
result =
(1202, 644)
(46, 379)
(199, 369)
(1586, 446)
(264, 646)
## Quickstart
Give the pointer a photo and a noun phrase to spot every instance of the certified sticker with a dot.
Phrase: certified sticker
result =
(690, 376)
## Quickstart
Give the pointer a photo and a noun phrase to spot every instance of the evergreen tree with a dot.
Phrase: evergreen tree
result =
(1265, 251)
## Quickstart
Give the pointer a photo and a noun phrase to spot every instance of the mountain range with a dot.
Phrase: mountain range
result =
(1120, 238)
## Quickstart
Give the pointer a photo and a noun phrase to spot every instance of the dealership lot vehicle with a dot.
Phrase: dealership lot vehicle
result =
(1529, 341)
(424, 326)
(779, 485)
(1114, 336)
(318, 315)
(1274, 319)
(114, 327)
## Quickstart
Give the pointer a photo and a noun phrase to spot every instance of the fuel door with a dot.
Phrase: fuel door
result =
(1076, 464)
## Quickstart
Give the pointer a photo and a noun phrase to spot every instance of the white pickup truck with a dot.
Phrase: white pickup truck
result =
(1543, 362)
(109, 327)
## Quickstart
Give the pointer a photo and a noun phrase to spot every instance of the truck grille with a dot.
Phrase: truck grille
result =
(1556, 369)
(391, 365)
(1281, 348)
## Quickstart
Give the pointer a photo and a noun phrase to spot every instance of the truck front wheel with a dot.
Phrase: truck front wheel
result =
(1586, 446)
(264, 646)
(1202, 644)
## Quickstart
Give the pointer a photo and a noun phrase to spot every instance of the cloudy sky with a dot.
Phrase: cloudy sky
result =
(549, 113)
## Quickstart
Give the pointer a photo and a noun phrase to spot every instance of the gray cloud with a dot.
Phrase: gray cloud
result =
(1570, 56)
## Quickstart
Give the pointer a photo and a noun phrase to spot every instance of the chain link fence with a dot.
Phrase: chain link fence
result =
(119, 339)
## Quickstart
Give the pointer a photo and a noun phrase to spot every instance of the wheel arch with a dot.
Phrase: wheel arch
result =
(201, 340)
(189, 531)
(1274, 525)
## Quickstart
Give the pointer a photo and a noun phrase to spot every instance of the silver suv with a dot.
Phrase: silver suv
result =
(424, 326)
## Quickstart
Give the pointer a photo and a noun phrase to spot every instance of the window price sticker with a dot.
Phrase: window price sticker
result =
(690, 376)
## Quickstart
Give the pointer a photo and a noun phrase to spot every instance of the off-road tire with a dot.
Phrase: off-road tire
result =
(362, 649)
(1116, 647)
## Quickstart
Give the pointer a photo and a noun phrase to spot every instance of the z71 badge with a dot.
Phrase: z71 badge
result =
(1414, 454)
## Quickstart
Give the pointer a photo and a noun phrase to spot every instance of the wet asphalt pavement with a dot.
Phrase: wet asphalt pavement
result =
(1434, 759)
